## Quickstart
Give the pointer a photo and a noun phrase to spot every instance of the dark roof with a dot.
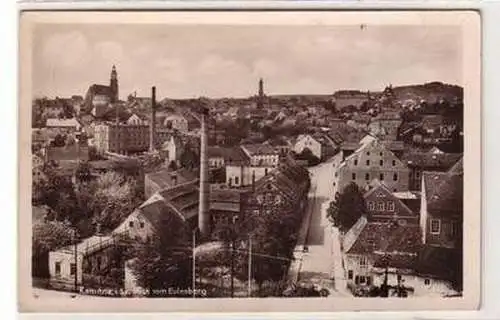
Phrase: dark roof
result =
(431, 161)
(444, 192)
(100, 89)
(396, 260)
(259, 149)
(165, 178)
(386, 237)
(184, 199)
(236, 156)
(458, 167)
(438, 262)
(226, 200)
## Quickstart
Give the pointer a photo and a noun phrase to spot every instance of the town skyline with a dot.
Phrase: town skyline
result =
(209, 65)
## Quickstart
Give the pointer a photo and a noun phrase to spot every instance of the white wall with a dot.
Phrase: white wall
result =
(244, 174)
(310, 143)
(136, 230)
(66, 258)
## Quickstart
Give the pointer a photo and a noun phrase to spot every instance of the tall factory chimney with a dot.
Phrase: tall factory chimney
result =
(204, 209)
(152, 125)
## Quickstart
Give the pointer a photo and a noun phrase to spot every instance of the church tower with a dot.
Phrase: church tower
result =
(260, 98)
(113, 84)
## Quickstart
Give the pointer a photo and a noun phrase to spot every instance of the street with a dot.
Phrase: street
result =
(322, 263)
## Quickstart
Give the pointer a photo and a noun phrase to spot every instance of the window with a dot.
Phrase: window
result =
(72, 269)
(367, 162)
(380, 206)
(393, 163)
(350, 274)
(435, 226)
(362, 261)
(353, 176)
(336, 174)
(427, 282)
(131, 224)
(381, 154)
(391, 206)
(368, 153)
(368, 281)
(58, 268)
(236, 180)
(371, 205)
(265, 171)
(142, 224)
(454, 229)
(399, 277)
(367, 176)
(99, 261)
(381, 176)
(362, 279)
(355, 162)
(381, 162)
(395, 177)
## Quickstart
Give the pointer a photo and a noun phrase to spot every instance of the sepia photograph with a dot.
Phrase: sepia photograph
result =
(278, 161)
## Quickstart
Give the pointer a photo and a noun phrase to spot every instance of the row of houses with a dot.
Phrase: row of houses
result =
(410, 237)
(175, 208)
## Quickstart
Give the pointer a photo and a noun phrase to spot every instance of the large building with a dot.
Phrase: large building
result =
(100, 96)
(121, 138)
(372, 160)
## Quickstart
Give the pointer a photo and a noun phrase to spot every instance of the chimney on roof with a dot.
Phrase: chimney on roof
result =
(153, 120)
(204, 210)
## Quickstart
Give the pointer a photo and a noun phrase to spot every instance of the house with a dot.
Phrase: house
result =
(386, 125)
(306, 141)
(217, 156)
(177, 122)
(433, 160)
(372, 160)
(64, 124)
(281, 145)
(163, 179)
(121, 138)
(135, 119)
(441, 210)
(172, 149)
(367, 242)
(384, 206)
(261, 155)
(283, 189)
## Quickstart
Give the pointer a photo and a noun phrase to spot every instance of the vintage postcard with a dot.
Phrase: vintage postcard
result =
(249, 161)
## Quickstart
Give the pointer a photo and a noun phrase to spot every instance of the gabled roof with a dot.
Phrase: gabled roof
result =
(444, 192)
(431, 161)
(378, 186)
(165, 178)
(258, 149)
(99, 89)
(387, 237)
(53, 122)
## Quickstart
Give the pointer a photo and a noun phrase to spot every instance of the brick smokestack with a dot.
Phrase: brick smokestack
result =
(152, 125)
(204, 209)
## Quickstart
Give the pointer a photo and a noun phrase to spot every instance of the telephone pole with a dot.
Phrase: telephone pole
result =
(194, 264)
(250, 266)
(76, 259)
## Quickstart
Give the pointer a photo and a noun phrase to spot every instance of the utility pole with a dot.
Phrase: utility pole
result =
(194, 264)
(250, 266)
(232, 268)
(76, 259)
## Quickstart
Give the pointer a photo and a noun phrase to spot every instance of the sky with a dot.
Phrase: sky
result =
(227, 61)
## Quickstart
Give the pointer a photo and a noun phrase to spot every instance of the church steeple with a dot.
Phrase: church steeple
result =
(260, 98)
(113, 84)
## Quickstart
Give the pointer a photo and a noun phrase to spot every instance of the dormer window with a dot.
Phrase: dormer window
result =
(355, 162)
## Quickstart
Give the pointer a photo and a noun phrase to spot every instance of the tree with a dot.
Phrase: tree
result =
(347, 208)
(59, 141)
(83, 173)
(165, 261)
